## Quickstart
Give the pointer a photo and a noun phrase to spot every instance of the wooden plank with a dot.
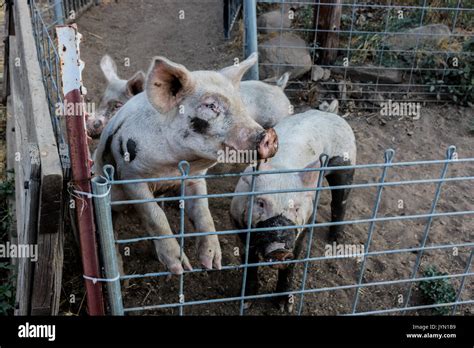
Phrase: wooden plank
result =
(45, 292)
(27, 173)
(39, 123)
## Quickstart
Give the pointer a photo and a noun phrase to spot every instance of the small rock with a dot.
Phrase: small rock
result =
(371, 73)
(294, 58)
(327, 74)
(273, 20)
(342, 87)
(427, 36)
(317, 73)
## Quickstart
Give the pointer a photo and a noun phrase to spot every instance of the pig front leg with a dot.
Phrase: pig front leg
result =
(154, 220)
(339, 197)
(286, 279)
(208, 247)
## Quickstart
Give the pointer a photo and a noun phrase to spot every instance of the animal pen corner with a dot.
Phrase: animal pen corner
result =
(39, 150)
(47, 153)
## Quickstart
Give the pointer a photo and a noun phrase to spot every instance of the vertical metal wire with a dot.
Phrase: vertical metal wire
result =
(184, 170)
(247, 241)
(324, 159)
(415, 51)
(449, 155)
(315, 39)
(387, 20)
(350, 39)
(279, 63)
(388, 157)
(453, 28)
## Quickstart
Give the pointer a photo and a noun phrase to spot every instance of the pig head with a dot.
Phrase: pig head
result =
(117, 93)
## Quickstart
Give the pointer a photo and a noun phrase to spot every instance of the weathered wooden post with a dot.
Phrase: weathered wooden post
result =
(328, 18)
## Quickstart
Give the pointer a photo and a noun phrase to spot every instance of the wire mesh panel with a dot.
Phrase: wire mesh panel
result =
(231, 12)
(391, 259)
(46, 14)
(367, 53)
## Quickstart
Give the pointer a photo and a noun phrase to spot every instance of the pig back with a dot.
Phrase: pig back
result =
(305, 136)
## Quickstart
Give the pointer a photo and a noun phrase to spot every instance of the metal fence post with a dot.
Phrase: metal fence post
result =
(103, 211)
(184, 168)
(250, 44)
(58, 12)
(68, 40)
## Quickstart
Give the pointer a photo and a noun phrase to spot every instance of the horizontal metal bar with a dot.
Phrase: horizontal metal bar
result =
(361, 32)
(354, 4)
(296, 292)
(321, 224)
(306, 259)
(287, 171)
(310, 189)
(414, 308)
(411, 100)
(360, 67)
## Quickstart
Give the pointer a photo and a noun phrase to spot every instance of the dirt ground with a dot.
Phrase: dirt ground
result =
(139, 30)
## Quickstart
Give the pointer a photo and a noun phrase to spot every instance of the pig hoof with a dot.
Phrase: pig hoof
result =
(210, 256)
(286, 308)
(169, 254)
(178, 267)
(284, 305)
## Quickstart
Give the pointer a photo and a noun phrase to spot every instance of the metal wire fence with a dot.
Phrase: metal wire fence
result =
(102, 187)
(45, 15)
(364, 53)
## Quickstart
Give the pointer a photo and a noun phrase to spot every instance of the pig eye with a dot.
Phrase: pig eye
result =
(261, 203)
(212, 106)
(118, 105)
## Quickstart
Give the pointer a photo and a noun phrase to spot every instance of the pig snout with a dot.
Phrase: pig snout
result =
(267, 144)
(95, 125)
(276, 245)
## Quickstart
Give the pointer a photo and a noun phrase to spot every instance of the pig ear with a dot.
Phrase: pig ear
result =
(283, 80)
(236, 72)
(136, 83)
(109, 68)
(249, 169)
(334, 107)
(309, 179)
(167, 83)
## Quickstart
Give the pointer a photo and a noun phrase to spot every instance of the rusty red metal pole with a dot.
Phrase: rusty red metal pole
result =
(71, 66)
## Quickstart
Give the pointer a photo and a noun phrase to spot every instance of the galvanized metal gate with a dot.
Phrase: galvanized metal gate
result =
(102, 187)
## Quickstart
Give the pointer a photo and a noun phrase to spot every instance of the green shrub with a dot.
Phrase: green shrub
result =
(437, 291)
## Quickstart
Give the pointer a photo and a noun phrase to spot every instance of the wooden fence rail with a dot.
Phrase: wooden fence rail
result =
(33, 154)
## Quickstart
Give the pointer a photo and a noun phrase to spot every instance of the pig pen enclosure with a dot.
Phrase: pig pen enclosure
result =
(401, 72)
